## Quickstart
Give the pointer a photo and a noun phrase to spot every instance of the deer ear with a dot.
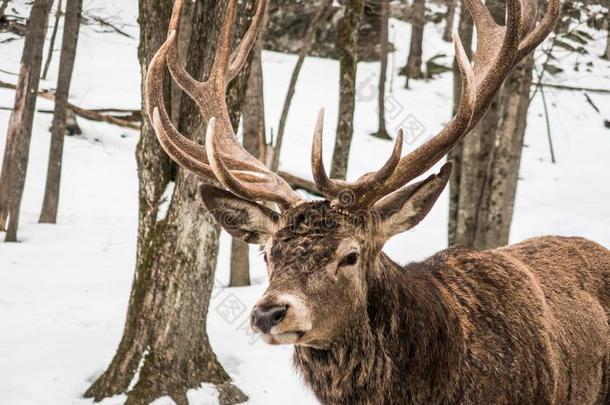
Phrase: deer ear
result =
(405, 208)
(243, 219)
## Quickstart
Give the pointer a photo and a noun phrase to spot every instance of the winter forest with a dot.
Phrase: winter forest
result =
(123, 281)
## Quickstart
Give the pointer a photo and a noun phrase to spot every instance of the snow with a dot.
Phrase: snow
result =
(64, 288)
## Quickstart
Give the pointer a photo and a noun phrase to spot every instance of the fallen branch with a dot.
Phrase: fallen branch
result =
(105, 23)
(299, 182)
(93, 115)
(572, 88)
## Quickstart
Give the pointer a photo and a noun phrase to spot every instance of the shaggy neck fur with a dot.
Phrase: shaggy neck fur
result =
(400, 346)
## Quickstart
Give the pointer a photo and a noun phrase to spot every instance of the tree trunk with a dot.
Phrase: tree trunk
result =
(47, 62)
(455, 155)
(177, 254)
(184, 40)
(476, 153)
(347, 44)
(383, 40)
(254, 141)
(58, 127)
(496, 211)
(414, 60)
(476, 158)
(607, 22)
(16, 152)
(449, 18)
(307, 41)
(253, 108)
(240, 263)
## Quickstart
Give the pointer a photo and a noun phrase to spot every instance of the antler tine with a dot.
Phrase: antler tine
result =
(390, 166)
(239, 57)
(325, 185)
(167, 134)
(544, 28)
(242, 189)
(369, 188)
(221, 59)
(232, 164)
(498, 50)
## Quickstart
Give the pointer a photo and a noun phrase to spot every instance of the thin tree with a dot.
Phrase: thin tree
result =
(51, 49)
(17, 149)
(383, 57)
(69, 42)
(414, 60)
(348, 48)
(449, 19)
(307, 42)
(253, 128)
(490, 160)
(465, 29)
(495, 211)
(176, 255)
(607, 23)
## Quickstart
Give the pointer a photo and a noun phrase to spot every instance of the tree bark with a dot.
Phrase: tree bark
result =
(58, 127)
(465, 26)
(240, 263)
(383, 41)
(309, 37)
(476, 158)
(449, 19)
(253, 109)
(184, 40)
(16, 152)
(496, 211)
(607, 22)
(414, 60)
(254, 141)
(166, 320)
(47, 62)
(348, 47)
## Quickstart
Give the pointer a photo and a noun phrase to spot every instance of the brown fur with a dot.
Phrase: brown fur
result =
(523, 324)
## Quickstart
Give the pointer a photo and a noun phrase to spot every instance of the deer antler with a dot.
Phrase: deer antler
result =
(225, 159)
(498, 50)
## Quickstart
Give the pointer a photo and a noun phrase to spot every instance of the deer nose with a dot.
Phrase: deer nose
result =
(264, 318)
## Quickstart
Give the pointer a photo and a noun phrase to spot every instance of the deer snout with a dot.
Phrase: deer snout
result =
(264, 318)
(281, 318)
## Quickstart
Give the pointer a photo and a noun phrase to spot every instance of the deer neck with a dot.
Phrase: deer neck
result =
(405, 341)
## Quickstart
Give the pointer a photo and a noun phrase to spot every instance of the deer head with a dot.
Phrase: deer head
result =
(319, 253)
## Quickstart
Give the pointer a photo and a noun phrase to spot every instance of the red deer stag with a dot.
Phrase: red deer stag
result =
(523, 324)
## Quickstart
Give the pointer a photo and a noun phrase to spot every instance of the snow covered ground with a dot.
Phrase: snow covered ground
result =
(64, 288)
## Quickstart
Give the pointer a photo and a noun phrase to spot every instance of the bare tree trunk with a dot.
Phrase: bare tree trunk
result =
(177, 254)
(476, 152)
(16, 152)
(253, 109)
(465, 32)
(414, 60)
(47, 63)
(307, 41)
(607, 23)
(253, 113)
(3, 7)
(383, 40)
(475, 160)
(50, 203)
(240, 263)
(496, 210)
(347, 44)
(449, 19)
(184, 41)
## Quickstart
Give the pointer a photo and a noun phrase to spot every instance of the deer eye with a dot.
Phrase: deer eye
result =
(265, 257)
(349, 260)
